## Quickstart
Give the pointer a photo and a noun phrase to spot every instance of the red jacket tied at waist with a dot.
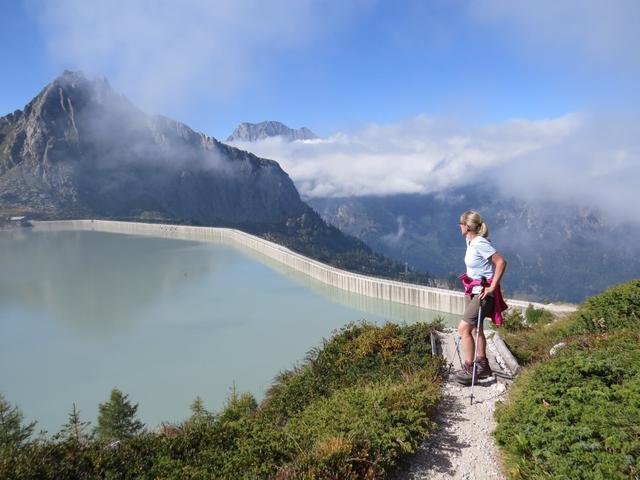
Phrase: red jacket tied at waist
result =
(499, 304)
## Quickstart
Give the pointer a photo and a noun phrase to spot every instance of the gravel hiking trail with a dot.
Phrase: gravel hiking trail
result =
(462, 447)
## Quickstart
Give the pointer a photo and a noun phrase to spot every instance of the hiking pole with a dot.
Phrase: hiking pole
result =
(451, 364)
(483, 282)
(458, 350)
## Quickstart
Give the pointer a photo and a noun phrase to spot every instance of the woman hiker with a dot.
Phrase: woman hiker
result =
(482, 260)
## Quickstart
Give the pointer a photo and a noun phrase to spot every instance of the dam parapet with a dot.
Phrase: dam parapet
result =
(443, 300)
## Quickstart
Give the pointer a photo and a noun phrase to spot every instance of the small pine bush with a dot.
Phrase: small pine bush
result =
(13, 431)
(117, 418)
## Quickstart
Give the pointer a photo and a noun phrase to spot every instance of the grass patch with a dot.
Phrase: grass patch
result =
(350, 410)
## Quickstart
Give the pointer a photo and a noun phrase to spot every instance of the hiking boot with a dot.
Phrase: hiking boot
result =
(483, 370)
(465, 374)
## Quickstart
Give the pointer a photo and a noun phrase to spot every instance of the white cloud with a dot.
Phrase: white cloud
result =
(575, 158)
(167, 52)
(419, 155)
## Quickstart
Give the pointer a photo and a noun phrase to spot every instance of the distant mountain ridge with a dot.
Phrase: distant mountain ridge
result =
(554, 252)
(81, 150)
(252, 132)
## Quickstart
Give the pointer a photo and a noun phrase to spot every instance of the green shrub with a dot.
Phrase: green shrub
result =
(513, 321)
(618, 307)
(362, 431)
(530, 337)
(576, 415)
(532, 344)
(538, 316)
(358, 353)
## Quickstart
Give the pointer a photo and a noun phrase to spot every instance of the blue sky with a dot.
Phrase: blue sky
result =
(332, 68)
(411, 96)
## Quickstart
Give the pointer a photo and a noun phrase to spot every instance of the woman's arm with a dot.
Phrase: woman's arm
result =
(501, 264)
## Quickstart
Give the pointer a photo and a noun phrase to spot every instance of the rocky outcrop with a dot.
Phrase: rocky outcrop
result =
(80, 149)
(252, 132)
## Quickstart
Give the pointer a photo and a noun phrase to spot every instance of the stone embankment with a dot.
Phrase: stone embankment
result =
(416, 295)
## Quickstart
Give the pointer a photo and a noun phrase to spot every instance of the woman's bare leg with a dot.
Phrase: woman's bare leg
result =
(468, 344)
(482, 342)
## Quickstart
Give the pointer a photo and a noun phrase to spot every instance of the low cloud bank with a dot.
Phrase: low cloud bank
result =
(576, 158)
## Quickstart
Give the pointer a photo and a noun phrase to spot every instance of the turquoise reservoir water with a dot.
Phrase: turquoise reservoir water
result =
(163, 320)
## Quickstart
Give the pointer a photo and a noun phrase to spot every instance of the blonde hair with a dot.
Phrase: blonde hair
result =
(474, 223)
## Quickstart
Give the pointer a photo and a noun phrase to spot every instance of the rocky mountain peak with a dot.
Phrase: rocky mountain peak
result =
(252, 132)
(72, 88)
(79, 148)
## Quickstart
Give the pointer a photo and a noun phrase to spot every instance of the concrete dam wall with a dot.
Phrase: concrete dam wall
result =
(393, 291)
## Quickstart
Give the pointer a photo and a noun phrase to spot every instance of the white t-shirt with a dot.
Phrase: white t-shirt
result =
(478, 260)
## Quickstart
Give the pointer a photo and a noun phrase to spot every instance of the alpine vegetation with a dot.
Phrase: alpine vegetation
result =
(351, 410)
(575, 412)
